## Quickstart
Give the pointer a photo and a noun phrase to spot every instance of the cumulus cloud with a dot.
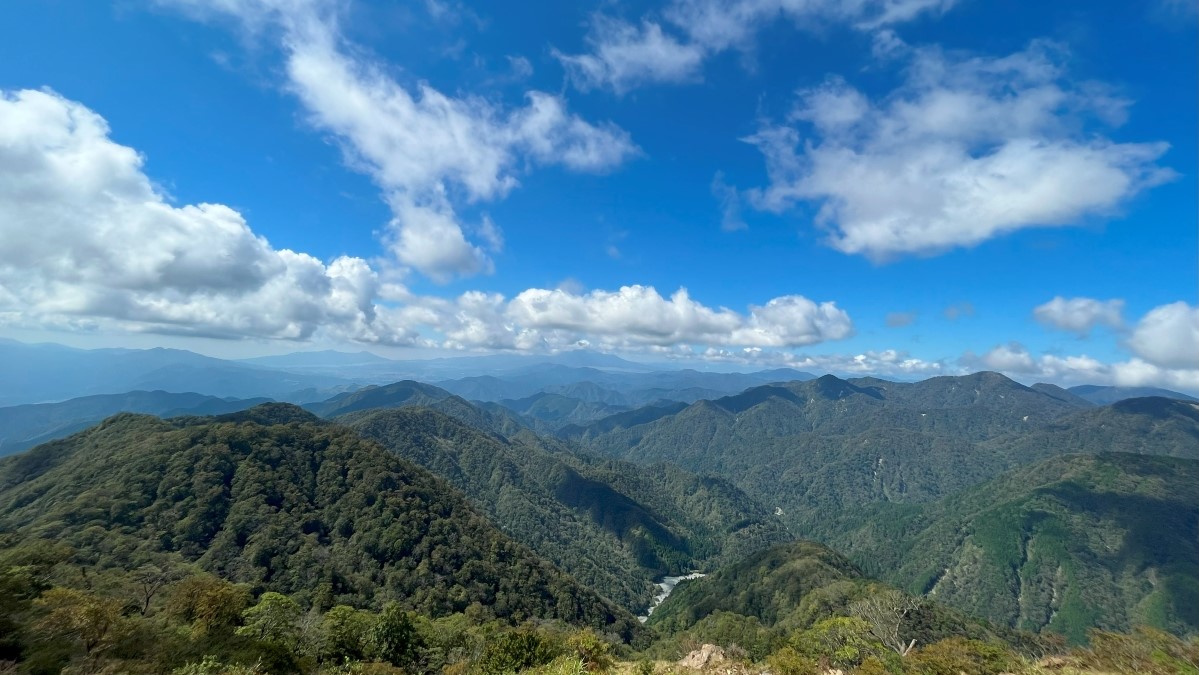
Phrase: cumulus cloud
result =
(93, 244)
(1012, 358)
(89, 236)
(639, 315)
(875, 363)
(900, 319)
(965, 150)
(426, 150)
(1168, 336)
(622, 55)
(1080, 315)
(1016, 360)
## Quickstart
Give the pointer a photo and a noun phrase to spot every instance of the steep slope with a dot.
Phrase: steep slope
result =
(795, 585)
(274, 498)
(590, 520)
(1153, 426)
(789, 586)
(1108, 540)
(827, 445)
(24, 426)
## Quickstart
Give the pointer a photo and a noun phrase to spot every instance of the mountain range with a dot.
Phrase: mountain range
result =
(1029, 508)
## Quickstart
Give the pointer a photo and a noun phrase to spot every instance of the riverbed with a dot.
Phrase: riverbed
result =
(667, 585)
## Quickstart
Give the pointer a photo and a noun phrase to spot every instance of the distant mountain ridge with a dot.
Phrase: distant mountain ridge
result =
(24, 426)
(1100, 395)
(39, 373)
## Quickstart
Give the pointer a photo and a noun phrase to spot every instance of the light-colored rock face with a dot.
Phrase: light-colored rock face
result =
(704, 657)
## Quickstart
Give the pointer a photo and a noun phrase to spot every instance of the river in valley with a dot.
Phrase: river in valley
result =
(667, 585)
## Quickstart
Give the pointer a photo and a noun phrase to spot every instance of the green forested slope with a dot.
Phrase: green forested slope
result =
(823, 450)
(278, 500)
(1070, 543)
(613, 525)
(791, 586)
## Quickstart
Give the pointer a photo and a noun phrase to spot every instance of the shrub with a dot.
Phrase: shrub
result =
(956, 655)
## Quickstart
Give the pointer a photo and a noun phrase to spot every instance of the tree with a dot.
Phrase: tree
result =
(394, 637)
(97, 623)
(209, 604)
(346, 634)
(884, 614)
(274, 620)
(149, 580)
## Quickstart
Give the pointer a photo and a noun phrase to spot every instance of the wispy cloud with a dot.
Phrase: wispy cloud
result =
(672, 47)
(426, 150)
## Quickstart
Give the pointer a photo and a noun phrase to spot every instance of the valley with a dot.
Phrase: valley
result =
(1022, 516)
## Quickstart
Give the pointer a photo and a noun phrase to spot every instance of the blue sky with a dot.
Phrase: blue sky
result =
(900, 187)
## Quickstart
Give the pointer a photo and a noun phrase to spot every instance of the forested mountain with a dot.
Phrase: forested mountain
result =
(617, 387)
(1100, 395)
(24, 426)
(1108, 540)
(613, 525)
(807, 590)
(395, 395)
(558, 410)
(827, 445)
(1151, 426)
(274, 498)
(790, 586)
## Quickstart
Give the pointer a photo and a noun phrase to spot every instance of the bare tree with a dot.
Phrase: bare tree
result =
(149, 580)
(884, 613)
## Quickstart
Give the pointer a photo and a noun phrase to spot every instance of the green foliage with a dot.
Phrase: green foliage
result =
(208, 604)
(393, 637)
(94, 624)
(959, 655)
(786, 586)
(590, 649)
(896, 476)
(211, 665)
(788, 661)
(1146, 650)
(612, 525)
(276, 500)
(274, 620)
(844, 641)
(516, 650)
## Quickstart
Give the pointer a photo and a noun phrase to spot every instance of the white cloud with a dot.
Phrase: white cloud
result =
(873, 363)
(730, 204)
(638, 315)
(1168, 336)
(1015, 360)
(623, 55)
(1012, 358)
(1080, 315)
(967, 149)
(426, 150)
(88, 236)
(91, 244)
